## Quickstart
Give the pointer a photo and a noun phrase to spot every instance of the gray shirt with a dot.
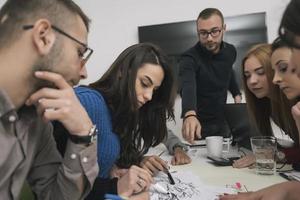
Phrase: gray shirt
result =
(28, 152)
(171, 140)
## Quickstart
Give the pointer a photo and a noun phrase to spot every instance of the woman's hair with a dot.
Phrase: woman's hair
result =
(138, 129)
(281, 105)
(259, 109)
(290, 23)
(276, 105)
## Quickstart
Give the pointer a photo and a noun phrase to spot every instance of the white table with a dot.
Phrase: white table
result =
(219, 175)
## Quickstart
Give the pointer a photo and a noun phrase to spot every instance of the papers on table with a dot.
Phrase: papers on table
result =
(187, 186)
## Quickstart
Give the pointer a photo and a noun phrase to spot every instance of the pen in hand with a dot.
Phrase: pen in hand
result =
(171, 180)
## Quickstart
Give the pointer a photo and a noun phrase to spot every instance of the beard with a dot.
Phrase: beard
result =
(212, 46)
(46, 63)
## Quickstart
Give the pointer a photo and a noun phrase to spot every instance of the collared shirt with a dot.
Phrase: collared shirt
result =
(205, 78)
(28, 152)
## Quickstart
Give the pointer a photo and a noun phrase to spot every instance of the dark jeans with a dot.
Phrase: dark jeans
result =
(219, 128)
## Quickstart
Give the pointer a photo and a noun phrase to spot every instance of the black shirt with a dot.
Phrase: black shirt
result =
(205, 78)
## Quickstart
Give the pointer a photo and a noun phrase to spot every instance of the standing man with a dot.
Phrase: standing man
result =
(206, 74)
(43, 51)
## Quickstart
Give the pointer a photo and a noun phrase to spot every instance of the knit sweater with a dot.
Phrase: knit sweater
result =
(205, 78)
(108, 141)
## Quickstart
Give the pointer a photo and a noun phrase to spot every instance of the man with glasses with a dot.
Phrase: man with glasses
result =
(43, 53)
(206, 74)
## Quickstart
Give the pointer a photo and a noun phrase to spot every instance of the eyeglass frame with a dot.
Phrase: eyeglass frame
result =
(27, 27)
(288, 37)
(219, 30)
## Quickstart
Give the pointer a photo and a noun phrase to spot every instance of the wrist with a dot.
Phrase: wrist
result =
(188, 116)
(180, 146)
(89, 138)
(85, 130)
(190, 112)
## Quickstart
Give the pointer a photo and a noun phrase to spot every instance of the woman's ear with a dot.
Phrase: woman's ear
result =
(43, 36)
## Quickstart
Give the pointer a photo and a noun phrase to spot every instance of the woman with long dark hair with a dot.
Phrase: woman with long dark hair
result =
(130, 105)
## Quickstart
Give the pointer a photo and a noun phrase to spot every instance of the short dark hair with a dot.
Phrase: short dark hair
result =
(208, 12)
(138, 129)
(16, 13)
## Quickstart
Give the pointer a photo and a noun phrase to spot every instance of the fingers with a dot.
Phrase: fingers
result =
(141, 196)
(245, 161)
(144, 179)
(188, 130)
(52, 77)
(135, 180)
(153, 164)
(180, 158)
(52, 109)
(191, 127)
(44, 93)
(198, 131)
(60, 103)
(228, 197)
(240, 196)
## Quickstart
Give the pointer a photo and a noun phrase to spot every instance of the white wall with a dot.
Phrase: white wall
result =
(115, 25)
(115, 22)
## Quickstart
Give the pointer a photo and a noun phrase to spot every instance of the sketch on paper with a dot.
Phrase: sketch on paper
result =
(187, 187)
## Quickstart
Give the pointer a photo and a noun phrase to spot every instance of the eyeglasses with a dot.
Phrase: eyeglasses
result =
(288, 37)
(213, 33)
(85, 55)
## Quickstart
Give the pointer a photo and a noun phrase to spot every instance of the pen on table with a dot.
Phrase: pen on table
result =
(246, 188)
(196, 145)
(168, 172)
(288, 177)
(114, 197)
(161, 153)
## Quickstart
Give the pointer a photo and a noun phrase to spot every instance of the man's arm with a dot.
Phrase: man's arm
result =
(234, 88)
(52, 177)
(187, 73)
(171, 141)
(177, 149)
(187, 77)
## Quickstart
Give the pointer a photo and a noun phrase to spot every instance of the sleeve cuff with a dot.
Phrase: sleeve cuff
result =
(82, 159)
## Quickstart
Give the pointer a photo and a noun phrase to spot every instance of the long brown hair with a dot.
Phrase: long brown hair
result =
(276, 105)
(259, 109)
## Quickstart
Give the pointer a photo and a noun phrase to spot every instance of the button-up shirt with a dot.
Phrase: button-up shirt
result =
(28, 152)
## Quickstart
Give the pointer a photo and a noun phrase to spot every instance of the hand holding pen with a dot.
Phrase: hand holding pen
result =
(154, 164)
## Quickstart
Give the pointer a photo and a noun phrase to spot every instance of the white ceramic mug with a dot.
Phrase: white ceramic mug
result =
(214, 145)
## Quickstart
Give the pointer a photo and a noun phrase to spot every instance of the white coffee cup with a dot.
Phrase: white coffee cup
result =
(214, 145)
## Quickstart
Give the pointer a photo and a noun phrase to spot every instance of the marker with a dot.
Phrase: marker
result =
(160, 188)
(170, 178)
(172, 182)
(114, 197)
